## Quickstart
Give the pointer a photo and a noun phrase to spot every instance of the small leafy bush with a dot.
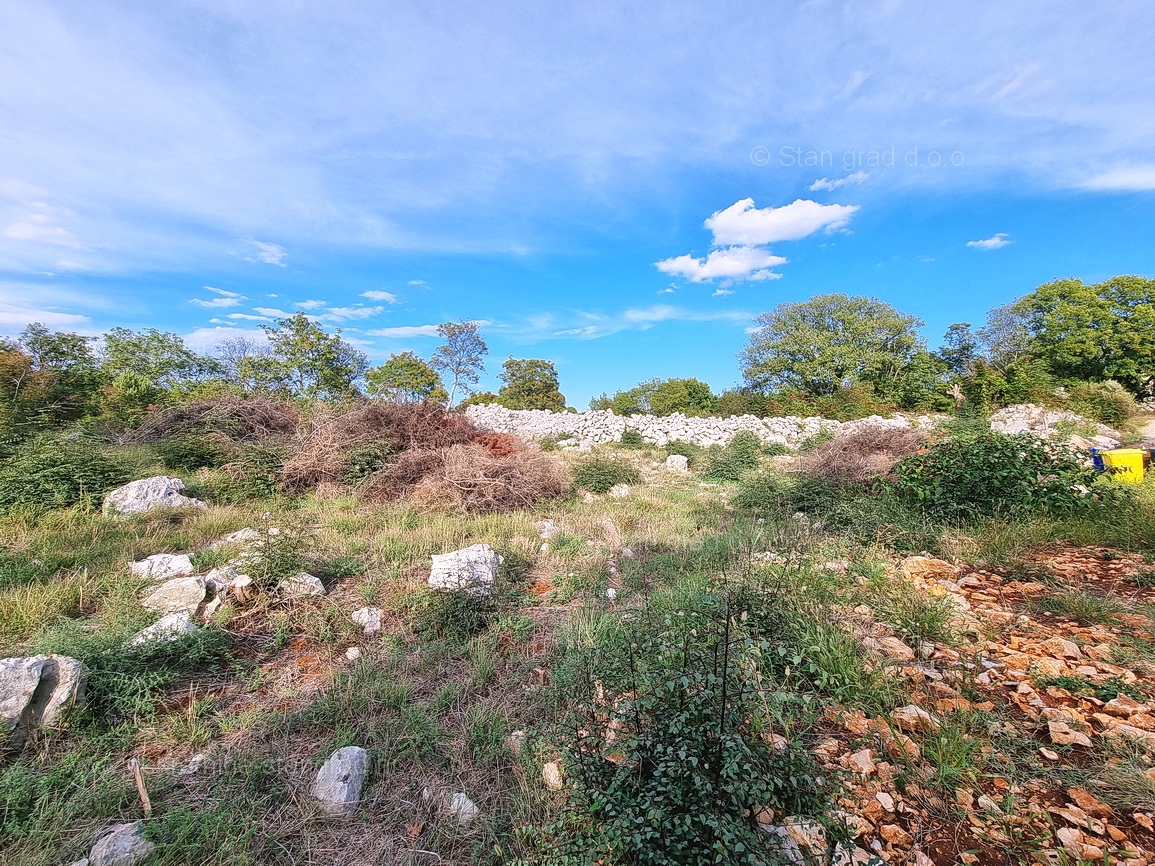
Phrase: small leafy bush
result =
(599, 474)
(996, 474)
(55, 472)
(454, 615)
(252, 475)
(694, 454)
(1106, 402)
(683, 694)
(190, 452)
(282, 553)
(739, 457)
(632, 439)
(364, 460)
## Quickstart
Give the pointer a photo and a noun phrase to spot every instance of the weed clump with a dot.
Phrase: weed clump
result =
(1106, 402)
(601, 474)
(632, 439)
(738, 458)
(191, 451)
(56, 472)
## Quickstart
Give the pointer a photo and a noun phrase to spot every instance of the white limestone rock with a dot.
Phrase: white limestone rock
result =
(340, 780)
(168, 628)
(122, 845)
(301, 584)
(369, 618)
(677, 463)
(161, 566)
(181, 595)
(145, 494)
(36, 691)
(473, 569)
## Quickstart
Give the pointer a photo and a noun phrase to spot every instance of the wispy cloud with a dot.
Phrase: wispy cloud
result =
(269, 254)
(826, 184)
(387, 297)
(1134, 178)
(1001, 239)
(341, 314)
(273, 312)
(39, 228)
(224, 298)
(14, 317)
(251, 318)
(405, 331)
(721, 293)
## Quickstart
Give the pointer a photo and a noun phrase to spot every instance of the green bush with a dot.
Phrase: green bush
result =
(56, 472)
(600, 474)
(996, 474)
(190, 452)
(694, 454)
(252, 475)
(737, 459)
(454, 615)
(363, 461)
(689, 702)
(632, 439)
(1106, 402)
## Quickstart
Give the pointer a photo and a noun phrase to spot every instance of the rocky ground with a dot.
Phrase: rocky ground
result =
(1042, 722)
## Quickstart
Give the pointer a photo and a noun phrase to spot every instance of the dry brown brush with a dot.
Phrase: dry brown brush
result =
(235, 419)
(470, 478)
(868, 452)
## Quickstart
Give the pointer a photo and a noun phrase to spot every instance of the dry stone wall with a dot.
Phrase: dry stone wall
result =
(594, 428)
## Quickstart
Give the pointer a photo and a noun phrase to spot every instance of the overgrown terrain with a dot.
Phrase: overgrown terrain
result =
(763, 658)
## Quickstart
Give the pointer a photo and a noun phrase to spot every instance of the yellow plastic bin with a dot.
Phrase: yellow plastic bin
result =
(1127, 464)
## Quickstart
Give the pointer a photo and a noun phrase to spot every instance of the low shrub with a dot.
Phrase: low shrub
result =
(694, 454)
(632, 439)
(454, 615)
(737, 458)
(192, 451)
(251, 475)
(997, 474)
(1106, 402)
(56, 472)
(600, 474)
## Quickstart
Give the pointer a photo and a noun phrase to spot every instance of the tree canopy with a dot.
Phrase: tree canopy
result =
(1094, 332)
(405, 378)
(306, 361)
(461, 358)
(660, 397)
(829, 342)
(530, 383)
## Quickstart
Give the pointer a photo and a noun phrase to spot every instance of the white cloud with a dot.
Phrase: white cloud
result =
(387, 297)
(721, 293)
(668, 290)
(225, 293)
(404, 331)
(341, 314)
(250, 318)
(223, 301)
(992, 243)
(829, 184)
(743, 224)
(733, 263)
(309, 305)
(14, 318)
(207, 339)
(418, 283)
(270, 254)
(273, 312)
(38, 227)
(1130, 178)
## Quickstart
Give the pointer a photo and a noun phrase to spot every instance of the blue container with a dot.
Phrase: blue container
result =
(1097, 459)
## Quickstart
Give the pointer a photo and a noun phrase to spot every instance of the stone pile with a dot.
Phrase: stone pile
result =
(1054, 423)
(595, 428)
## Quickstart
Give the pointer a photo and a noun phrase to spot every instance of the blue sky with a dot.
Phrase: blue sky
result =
(617, 187)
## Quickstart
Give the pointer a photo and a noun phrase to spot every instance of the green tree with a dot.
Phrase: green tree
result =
(1006, 336)
(65, 372)
(161, 357)
(530, 383)
(660, 397)
(405, 378)
(306, 361)
(1094, 332)
(830, 342)
(960, 348)
(461, 358)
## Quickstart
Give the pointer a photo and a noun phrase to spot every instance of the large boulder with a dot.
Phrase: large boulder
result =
(160, 491)
(340, 780)
(473, 569)
(36, 691)
(301, 583)
(122, 845)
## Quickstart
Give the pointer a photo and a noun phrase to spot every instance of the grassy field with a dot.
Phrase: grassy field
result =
(699, 656)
